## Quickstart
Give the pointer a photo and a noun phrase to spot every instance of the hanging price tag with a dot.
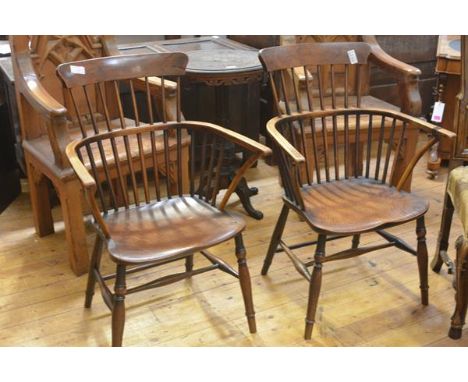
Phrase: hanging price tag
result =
(438, 112)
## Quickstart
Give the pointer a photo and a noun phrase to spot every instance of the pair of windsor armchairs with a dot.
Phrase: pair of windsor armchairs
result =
(337, 166)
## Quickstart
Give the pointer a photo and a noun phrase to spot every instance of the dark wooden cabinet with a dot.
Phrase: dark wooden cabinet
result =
(10, 186)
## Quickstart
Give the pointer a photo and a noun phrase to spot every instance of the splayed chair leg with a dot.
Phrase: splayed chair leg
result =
(422, 260)
(118, 310)
(314, 286)
(94, 265)
(246, 287)
(275, 238)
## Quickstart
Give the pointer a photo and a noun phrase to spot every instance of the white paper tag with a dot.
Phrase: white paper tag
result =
(5, 49)
(438, 112)
(77, 69)
(352, 57)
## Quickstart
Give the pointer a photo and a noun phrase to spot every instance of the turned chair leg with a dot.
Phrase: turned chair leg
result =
(422, 260)
(355, 243)
(275, 239)
(461, 297)
(314, 286)
(70, 200)
(93, 266)
(440, 255)
(118, 309)
(246, 288)
(40, 201)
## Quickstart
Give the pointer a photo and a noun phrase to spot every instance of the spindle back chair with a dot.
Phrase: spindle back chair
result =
(330, 75)
(154, 224)
(48, 124)
(344, 191)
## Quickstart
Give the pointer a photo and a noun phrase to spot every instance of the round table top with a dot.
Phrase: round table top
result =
(222, 61)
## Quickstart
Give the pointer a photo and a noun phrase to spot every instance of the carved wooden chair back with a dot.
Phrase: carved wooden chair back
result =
(46, 53)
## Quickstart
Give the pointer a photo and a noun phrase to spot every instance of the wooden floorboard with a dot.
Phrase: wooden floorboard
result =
(368, 301)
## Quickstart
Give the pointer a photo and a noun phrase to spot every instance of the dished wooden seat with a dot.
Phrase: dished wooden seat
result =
(358, 205)
(172, 228)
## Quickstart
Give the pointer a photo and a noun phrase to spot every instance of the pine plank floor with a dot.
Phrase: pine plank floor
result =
(372, 300)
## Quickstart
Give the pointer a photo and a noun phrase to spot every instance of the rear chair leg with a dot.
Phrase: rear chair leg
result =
(314, 286)
(246, 288)
(422, 260)
(275, 239)
(93, 266)
(118, 310)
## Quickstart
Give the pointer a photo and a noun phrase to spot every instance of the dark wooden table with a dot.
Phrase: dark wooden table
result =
(222, 86)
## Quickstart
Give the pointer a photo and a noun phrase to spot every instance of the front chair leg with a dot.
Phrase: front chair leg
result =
(422, 260)
(93, 266)
(246, 288)
(461, 297)
(314, 286)
(275, 239)
(118, 309)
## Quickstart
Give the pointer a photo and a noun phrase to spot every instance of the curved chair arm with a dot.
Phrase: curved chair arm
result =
(31, 91)
(406, 75)
(30, 87)
(391, 64)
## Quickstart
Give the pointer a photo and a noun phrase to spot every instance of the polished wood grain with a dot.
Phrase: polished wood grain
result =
(340, 187)
(370, 300)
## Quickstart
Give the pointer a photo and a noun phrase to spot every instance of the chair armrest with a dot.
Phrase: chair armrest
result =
(295, 155)
(389, 63)
(418, 122)
(33, 91)
(232, 136)
(406, 75)
(80, 169)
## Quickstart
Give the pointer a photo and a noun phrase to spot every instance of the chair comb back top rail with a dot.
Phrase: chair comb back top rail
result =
(122, 67)
(333, 75)
(297, 55)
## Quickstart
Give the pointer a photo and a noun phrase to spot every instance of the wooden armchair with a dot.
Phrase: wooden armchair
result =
(48, 123)
(342, 182)
(154, 226)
